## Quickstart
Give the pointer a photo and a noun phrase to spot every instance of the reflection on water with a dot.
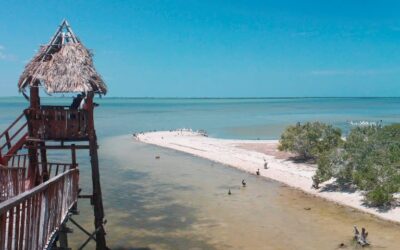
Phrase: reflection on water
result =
(181, 202)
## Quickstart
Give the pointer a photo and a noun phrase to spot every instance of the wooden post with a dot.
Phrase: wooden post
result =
(43, 159)
(32, 151)
(74, 165)
(94, 160)
(73, 155)
(63, 237)
(33, 165)
(34, 96)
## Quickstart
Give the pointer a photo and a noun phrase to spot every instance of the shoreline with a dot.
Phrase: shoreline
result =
(249, 155)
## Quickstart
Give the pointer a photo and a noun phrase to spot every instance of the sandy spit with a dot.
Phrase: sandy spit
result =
(250, 155)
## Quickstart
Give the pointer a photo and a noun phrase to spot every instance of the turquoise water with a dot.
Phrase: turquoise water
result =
(225, 118)
(242, 118)
(180, 202)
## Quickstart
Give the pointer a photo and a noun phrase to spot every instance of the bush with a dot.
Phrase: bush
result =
(369, 159)
(330, 164)
(379, 197)
(310, 140)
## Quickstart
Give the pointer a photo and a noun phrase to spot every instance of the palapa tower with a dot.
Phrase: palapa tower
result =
(64, 65)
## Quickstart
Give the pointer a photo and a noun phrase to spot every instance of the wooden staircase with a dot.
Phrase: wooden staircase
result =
(13, 139)
(31, 215)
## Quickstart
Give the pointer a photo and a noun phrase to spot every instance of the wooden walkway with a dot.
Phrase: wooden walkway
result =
(30, 216)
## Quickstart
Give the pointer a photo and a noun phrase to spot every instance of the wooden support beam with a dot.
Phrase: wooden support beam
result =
(85, 196)
(34, 96)
(97, 195)
(63, 237)
(8, 141)
(58, 147)
(73, 155)
(82, 229)
(43, 159)
(33, 168)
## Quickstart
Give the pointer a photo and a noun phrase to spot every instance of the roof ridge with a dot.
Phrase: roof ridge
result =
(61, 72)
(60, 38)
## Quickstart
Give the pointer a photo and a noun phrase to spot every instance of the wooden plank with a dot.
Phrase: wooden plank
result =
(10, 227)
(3, 220)
(8, 140)
(17, 225)
(58, 147)
(22, 228)
(28, 241)
(38, 213)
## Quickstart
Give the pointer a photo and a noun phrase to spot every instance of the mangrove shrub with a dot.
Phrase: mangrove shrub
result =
(369, 159)
(310, 140)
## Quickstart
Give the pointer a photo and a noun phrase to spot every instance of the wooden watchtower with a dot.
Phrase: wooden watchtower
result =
(38, 196)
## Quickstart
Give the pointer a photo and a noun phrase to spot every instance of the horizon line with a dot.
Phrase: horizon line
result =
(230, 97)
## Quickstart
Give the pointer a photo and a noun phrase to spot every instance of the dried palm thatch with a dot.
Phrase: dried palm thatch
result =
(64, 65)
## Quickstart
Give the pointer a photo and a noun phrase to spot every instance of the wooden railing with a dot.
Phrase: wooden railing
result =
(55, 169)
(31, 219)
(18, 160)
(58, 123)
(12, 182)
(10, 139)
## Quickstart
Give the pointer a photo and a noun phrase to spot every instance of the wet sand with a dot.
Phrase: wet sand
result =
(181, 202)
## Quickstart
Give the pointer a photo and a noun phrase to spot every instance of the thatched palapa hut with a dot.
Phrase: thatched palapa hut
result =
(64, 65)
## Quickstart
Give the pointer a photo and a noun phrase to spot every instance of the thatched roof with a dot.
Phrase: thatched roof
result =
(64, 65)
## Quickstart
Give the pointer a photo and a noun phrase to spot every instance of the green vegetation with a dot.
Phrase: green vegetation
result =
(369, 158)
(310, 140)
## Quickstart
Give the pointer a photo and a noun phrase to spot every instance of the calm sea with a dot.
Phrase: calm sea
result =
(225, 118)
(181, 202)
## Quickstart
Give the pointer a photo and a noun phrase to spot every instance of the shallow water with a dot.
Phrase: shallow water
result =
(181, 202)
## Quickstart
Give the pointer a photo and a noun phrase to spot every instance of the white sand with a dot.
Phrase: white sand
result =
(249, 155)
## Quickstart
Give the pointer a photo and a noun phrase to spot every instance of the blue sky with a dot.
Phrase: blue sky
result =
(218, 48)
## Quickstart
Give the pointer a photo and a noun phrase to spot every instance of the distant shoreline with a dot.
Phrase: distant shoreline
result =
(249, 155)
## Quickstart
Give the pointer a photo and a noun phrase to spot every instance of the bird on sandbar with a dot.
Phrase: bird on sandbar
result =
(243, 183)
(229, 192)
(258, 172)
